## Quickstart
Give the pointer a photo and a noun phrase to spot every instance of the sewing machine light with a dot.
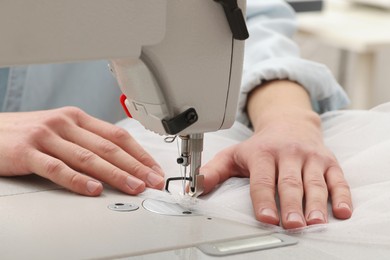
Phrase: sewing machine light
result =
(249, 244)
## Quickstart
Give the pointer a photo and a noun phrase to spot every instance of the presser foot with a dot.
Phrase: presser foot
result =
(196, 188)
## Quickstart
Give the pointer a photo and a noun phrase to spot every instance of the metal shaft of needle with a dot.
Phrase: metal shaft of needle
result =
(196, 149)
(191, 155)
(185, 157)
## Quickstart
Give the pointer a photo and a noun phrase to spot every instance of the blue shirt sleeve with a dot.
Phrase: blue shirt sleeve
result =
(3, 85)
(271, 54)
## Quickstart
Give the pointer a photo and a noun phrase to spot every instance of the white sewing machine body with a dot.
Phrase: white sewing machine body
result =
(168, 56)
(41, 223)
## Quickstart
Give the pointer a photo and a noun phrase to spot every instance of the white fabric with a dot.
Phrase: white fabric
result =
(360, 141)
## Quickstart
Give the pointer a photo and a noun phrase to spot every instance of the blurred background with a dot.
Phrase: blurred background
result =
(351, 37)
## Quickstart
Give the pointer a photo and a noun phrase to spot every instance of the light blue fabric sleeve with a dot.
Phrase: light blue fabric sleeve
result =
(3, 84)
(87, 85)
(271, 54)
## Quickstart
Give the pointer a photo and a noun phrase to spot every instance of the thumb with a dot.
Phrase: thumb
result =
(219, 169)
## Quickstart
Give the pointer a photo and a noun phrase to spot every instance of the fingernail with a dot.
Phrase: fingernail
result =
(92, 186)
(344, 211)
(133, 182)
(268, 213)
(154, 179)
(316, 215)
(344, 205)
(295, 217)
(158, 170)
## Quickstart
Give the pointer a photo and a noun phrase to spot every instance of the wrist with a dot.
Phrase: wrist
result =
(280, 101)
(286, 116)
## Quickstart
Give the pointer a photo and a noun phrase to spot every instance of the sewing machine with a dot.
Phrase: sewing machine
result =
(179, 77)
(178, 64)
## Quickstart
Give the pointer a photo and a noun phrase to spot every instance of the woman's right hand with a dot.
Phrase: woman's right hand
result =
(76, 151)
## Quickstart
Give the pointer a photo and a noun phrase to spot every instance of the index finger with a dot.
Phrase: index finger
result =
(118, 136)
(218, 169)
